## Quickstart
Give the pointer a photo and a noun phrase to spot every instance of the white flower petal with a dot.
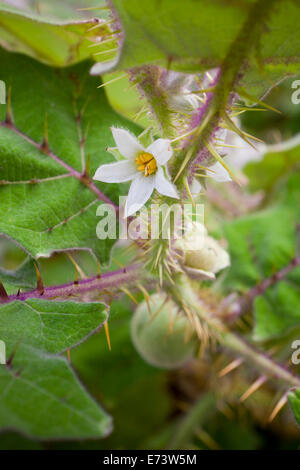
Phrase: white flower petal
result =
(199, 274)
(116, 172)
(222, 136)
(140, 191)
(161, 150)
(102, 67)
(219, 173)
(176, 81)
(195, 187)
(244, 153)
(127, 143)
(164, 186)
(184, 103)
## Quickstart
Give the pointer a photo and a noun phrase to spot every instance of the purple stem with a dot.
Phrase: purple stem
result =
(111, 280)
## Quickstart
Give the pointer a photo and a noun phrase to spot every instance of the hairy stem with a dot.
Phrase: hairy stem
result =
(148, 79)
(230, 74)
(111, 280)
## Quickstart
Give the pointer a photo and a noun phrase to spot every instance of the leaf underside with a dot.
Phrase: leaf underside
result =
(196, 35)
(57, 34)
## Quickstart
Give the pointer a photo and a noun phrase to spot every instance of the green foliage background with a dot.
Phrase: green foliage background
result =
(45, 62)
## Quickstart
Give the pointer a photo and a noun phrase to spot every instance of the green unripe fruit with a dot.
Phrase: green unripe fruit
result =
(156, 342)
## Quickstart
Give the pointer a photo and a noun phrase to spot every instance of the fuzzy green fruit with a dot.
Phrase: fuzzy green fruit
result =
(152, 337)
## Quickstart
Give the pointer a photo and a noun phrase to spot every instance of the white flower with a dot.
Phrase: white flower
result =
(145, 167)
(203, 256)
(180, 96)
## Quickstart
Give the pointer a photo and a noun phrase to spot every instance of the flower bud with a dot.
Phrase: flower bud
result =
(203, 256)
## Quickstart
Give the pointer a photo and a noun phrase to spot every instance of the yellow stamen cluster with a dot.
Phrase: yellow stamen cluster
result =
(146, 163)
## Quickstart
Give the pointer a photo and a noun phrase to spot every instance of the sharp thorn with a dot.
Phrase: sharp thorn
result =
(100, 43)
(207, 439)
(280, 404)
(99, 25)
(230, 367)
(106, 329)
(76, 275)
(98, 270)
(155, 314)
(253, 388)
(9, 114)
(87, 166)
(112, 80)
(77, 268)
(187, 187)
(108, 51)
(45, 143)
(11, 357)
(3, 293)
(128, 293)
(146, 297)
(40, 284)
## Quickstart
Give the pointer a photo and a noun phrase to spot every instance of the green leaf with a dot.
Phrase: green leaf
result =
(42, 387)
(49, 325)
(24, 276)
(294, 400)
(56, 9)
(259, 245)
(44, 207)
(47, 38)
(276, 164)
(196, 35)
(277, 310)
(41, 397)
